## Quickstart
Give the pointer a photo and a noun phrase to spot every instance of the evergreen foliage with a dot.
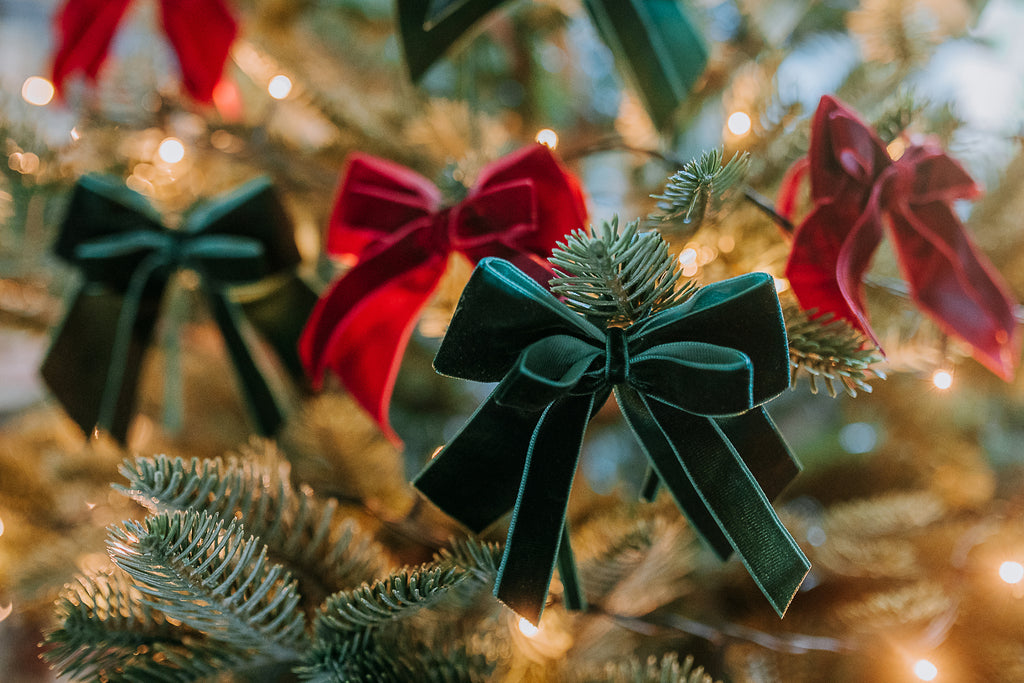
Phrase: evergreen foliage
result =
(668, 669)
(214, 577)
(698, 189)
(617, 278)
(299, 529)
(829, 350)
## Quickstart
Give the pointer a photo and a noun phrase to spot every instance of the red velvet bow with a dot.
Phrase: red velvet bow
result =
(854, 184)
(201, 32)
(393, 221)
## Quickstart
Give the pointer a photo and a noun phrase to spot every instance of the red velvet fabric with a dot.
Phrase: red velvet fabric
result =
(393, 222)
(200, 31)
(857, 191)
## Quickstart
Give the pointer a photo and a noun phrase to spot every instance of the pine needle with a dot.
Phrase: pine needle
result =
(617, 279)
(698, 189)
(667, 669)
(405, 591)
(829, 350)
(213, 577)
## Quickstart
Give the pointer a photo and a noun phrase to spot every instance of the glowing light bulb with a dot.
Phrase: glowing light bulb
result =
(37, 90)
(547, 137)
(738, 123)
(280, 87)
(925, 670)
(171, 150)
(1011, 572)
(942, 379)
(527, 629)
(75, 135)
(688, 257)
(781, 284)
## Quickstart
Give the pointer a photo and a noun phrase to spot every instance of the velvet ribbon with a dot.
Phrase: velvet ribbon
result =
(126, 256)
(690, 381)
(200, 31)
(856, 189)
(393, 221)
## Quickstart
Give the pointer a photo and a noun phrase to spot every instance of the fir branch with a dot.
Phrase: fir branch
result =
(617, 278)
(207, 574)
(667, 669)
(480, 558)
(105, 630)
(370, 605)
(896, 114)
(298, 528)
(830, 350)
(364, 659)
(699, 188)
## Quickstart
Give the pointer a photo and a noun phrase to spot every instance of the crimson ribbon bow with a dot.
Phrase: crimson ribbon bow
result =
(394, 222)
(855, 185)
(200, 31)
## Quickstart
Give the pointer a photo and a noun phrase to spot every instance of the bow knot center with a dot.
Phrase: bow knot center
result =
(616, 353)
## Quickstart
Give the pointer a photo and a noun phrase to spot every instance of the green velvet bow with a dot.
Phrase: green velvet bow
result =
(690, 381)
(126, 256)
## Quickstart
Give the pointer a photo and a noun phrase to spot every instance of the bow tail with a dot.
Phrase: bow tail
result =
(719, 494)
(264, 406)
(536, 531)
(201, 53)
(77, 368)
(475, 478)
(954, 282)
(754, 436)
(85, 30)
(361, 327)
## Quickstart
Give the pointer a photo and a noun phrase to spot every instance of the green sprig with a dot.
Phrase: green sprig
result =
(617, 278)
(699, 188)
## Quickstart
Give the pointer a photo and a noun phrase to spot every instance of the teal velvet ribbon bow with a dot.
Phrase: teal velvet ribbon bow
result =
(127, 256)
(690, 381)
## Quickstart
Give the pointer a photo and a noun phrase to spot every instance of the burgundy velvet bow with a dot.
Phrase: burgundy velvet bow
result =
(393, 221)
(856, 188)
(200, 31)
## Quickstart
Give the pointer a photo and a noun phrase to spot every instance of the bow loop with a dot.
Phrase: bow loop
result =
(503, 215)
(703, 379)
(546, 371)
(378, 198)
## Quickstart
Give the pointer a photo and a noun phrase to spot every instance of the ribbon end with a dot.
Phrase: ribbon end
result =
(782, 591)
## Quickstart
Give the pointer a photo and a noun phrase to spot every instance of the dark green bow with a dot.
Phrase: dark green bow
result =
(126, 256)
(690, 381)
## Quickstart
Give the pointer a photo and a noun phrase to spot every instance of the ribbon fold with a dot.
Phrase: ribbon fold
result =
(856, 190)
(393, 221)
(690, 381)
(127, 256)
(200, 31)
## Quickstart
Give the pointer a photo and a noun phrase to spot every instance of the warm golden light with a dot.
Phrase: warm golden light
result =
(171, 150)
(75, 135)
(1011, 572)
(280, 87)
(781, 284)
(942, 379)
(687, 257)
(925, 670)
(37, 90)
(738, 123)
(547, 137)
(527, 629)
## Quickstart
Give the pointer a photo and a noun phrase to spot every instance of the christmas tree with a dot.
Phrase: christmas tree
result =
(466, 340)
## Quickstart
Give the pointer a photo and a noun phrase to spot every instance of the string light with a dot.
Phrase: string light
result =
(925, 670)
(1011, 572)
(738, 123)
(547, 137)
(37, 90)
(942, 379)
(171, 150)
(781, 284)
(280, 87)
(527, 629)
(75, 135)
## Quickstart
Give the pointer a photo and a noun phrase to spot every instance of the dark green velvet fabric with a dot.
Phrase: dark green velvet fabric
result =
(690, 381)
(126, 256)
